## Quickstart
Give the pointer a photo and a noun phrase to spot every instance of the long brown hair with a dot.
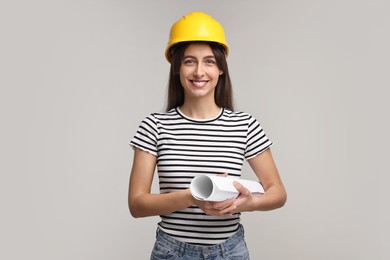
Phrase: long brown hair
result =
(223, 95)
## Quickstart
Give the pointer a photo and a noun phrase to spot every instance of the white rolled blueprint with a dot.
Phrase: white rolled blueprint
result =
(220, 188)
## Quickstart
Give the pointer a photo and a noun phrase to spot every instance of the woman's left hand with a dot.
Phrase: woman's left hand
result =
(244, 201)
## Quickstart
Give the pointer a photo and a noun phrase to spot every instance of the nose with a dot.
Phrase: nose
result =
(199, 71)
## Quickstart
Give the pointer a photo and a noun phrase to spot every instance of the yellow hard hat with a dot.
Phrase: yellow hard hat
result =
(196, 26)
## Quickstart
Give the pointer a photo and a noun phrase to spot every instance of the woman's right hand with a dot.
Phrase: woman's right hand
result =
(219, 208)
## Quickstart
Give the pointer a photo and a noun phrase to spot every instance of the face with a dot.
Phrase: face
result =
(199, 72)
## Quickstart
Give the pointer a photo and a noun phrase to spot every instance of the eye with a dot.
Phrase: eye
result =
(210, 61)
(189, 61)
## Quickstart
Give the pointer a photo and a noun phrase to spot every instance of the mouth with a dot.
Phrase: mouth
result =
(199, 83)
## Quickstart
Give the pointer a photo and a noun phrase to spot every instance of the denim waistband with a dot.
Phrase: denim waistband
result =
(189, 249)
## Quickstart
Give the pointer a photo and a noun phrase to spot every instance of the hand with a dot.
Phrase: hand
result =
(219, 208)
(244, 201)
(229, 207)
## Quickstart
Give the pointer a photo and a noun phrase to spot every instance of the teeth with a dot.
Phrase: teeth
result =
(199, 83)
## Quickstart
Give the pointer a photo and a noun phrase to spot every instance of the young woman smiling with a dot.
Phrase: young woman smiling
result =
(200, 133)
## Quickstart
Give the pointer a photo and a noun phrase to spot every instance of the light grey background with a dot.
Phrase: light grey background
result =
(77, 77)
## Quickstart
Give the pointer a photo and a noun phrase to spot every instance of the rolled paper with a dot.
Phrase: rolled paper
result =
(220, 188)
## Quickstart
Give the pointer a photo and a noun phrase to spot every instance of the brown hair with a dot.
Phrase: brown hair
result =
(223, 92)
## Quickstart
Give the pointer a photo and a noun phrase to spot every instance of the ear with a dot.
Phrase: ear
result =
(220, 72)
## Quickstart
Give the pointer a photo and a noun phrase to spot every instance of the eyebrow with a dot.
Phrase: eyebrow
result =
(193, 57)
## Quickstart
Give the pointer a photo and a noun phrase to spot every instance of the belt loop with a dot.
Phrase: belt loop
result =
(241, 231)
(157, 232)
(182, 249)
(223, 250)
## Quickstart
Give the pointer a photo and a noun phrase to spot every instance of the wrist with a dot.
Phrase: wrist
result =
(189, 198)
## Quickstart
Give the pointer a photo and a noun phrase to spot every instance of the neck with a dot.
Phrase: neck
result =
(200, 110)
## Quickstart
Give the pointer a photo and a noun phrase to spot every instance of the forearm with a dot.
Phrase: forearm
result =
(148, 204)
(274, 197)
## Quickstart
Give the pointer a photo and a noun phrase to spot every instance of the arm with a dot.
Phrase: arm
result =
(275, 195)
(142, 202)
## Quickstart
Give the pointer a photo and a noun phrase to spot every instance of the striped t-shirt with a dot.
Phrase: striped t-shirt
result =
(187, 147)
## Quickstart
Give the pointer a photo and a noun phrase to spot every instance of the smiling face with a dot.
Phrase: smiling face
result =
(199, 72)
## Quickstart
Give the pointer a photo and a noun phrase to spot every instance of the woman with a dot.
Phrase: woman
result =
(199, 134)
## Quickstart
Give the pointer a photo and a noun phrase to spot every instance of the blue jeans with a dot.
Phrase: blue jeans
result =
(167, 247)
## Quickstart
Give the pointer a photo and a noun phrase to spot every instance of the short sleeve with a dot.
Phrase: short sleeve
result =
(257, 141)
(146, 136)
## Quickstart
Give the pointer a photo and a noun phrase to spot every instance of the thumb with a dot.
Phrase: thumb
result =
(241, 188)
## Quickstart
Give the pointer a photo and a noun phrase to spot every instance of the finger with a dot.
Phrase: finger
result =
(223, 174)
(229, 211)
(224, 204)
(241, 188)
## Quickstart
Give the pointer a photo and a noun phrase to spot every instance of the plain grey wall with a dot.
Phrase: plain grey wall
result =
(77, 77)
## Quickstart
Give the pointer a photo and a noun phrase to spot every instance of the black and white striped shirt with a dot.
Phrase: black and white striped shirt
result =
(187, 147)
